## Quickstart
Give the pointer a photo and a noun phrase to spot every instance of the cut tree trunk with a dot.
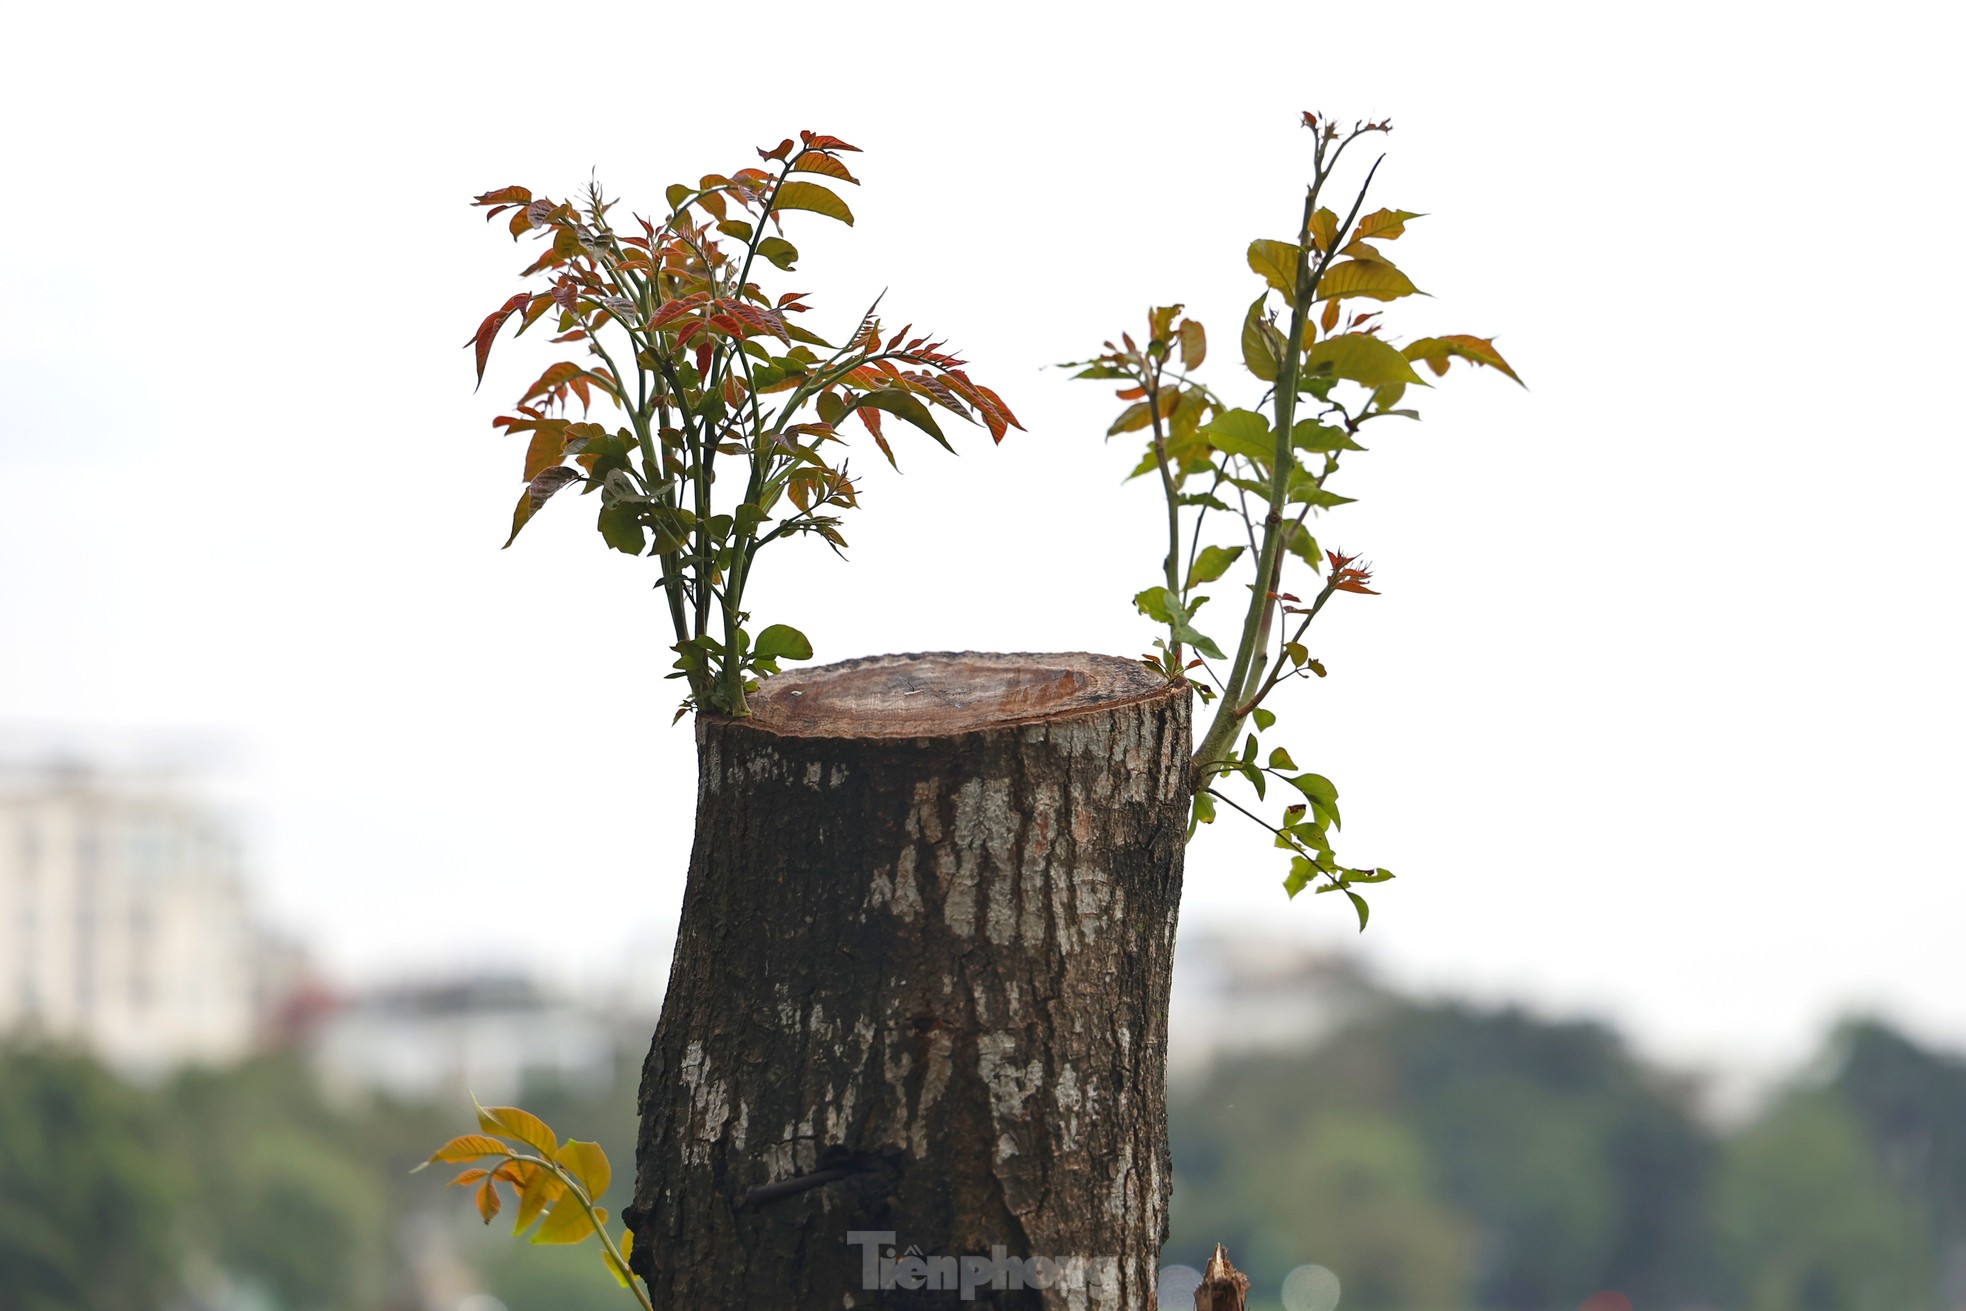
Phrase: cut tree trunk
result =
(914, 1044)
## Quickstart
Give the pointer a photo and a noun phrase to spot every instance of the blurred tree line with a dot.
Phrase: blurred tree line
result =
(1447, 1157)
(243, 1190)
(1435, 1157)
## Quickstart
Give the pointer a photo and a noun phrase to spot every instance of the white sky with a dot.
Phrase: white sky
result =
(1658, 716)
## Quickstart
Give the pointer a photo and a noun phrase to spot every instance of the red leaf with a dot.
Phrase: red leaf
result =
(778, 152)
(996, 414)
(489, 329)
(505, 196)
(815, 141)
(762, 319)
(675, 309)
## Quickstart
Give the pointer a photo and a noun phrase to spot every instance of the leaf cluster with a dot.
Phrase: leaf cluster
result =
(704, 368)
(553, 1185)
(1242, 484)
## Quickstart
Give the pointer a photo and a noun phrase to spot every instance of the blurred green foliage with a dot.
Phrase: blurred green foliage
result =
(1440, 1156)
(1435, 1157)
(222, 1190)
(84, 1197)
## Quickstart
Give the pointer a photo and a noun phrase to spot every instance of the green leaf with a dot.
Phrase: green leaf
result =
(779, 251)
(1264, 718)
(1276, 263)
(1310, 435)
(903, 405)
(1159, 604)
(1358, 904)
(811, 196)
(1262, 344)
(1359, 357)
(1257, 778)
(1316, 786)
(1301, 544)
(621, 528)
(1305, 489)
(538, 492)
(1242, 432)
(1212, 563)
(782, 642)
(796, 333)
(1369, 278)
(677, 193)
(1301, 874)
(1204, 812)
(1322, 794)
(1280, 759)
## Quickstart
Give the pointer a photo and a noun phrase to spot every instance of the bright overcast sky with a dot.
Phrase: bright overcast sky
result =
(1658, 716)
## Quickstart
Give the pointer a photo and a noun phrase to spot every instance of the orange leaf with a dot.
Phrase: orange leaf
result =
(588, 1163)
(1324, 229)
(811, 196)
(487, 1201)
(468, 1147)
(510, 1120)
(1385, 224)
(814, 162)
(539, 1188)
(1437, 351)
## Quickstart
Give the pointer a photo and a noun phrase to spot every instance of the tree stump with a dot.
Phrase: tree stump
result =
(914, 1043)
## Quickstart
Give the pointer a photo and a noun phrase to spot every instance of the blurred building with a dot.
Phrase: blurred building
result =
(124, 922)
(489, 1037)
(1236, 993)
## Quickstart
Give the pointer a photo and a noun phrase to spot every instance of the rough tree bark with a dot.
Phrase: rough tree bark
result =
(919, 997)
